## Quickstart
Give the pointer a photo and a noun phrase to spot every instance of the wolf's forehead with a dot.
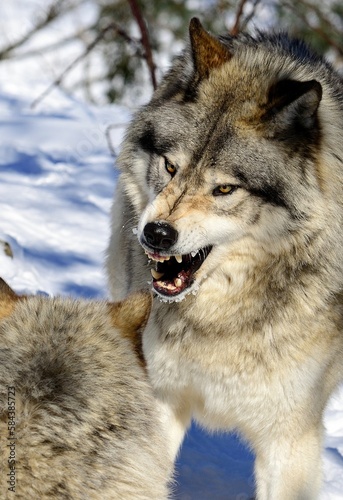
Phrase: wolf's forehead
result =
(217, 113)
(190, 133)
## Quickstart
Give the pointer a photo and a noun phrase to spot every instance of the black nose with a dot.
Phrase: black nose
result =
(160, 235)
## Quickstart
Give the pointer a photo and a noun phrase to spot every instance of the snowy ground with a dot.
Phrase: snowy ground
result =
(56, 184)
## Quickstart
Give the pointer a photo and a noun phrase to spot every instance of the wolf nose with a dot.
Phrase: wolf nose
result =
(160, 235)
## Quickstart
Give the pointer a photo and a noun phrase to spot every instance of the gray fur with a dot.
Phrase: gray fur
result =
(86, 424)
(258, 345)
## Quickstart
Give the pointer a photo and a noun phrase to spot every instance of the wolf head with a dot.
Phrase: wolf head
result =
(229, 155)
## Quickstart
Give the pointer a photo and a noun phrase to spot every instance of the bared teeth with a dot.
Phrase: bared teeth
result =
(156, 275)
(162, 259)
(177, 282)
(157, 258)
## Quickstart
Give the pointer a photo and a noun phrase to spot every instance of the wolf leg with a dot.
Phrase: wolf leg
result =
(176, 422)
(290, 470)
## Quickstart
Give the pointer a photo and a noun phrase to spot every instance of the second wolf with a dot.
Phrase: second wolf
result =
(77, 416)
(232, 178)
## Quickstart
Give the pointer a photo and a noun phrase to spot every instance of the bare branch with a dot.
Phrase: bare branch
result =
(250, 16)
(328, 39)
(52, 13)
(108, 137)
(145, 40)
(236, 27)
(89, 48)
(53, 46)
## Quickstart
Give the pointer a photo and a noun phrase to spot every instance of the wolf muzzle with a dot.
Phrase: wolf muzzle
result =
(160, 235)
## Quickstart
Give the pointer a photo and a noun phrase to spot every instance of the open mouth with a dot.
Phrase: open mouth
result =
(173, 274)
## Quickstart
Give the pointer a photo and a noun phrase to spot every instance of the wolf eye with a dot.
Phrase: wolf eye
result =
(224, 189)
(171, 169)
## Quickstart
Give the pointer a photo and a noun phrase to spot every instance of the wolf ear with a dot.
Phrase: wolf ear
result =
(292, 103)
(8, 298)
(207, 51)
(130, 316)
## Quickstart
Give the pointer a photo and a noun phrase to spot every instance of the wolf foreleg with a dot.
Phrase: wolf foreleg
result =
(176, 423)
(290, 470)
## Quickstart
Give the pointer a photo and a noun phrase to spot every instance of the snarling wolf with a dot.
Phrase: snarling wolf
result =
(77, 416)
(231, 193)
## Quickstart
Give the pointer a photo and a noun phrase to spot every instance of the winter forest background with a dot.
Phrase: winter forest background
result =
(116, 50)
(72, 72)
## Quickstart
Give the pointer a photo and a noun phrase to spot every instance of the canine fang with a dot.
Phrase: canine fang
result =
(155, 274)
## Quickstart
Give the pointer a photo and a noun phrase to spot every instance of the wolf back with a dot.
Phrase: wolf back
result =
(77, 416)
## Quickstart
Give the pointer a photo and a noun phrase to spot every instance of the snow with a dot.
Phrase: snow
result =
(56, 185)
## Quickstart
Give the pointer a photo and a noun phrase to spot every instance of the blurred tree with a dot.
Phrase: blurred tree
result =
(133, 41)
(319, 23)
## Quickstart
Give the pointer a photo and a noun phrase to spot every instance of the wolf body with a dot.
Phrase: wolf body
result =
(232, 180)
(77, 416)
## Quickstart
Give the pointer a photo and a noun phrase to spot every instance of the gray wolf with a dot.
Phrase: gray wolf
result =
(231, 193)
(78, 419)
